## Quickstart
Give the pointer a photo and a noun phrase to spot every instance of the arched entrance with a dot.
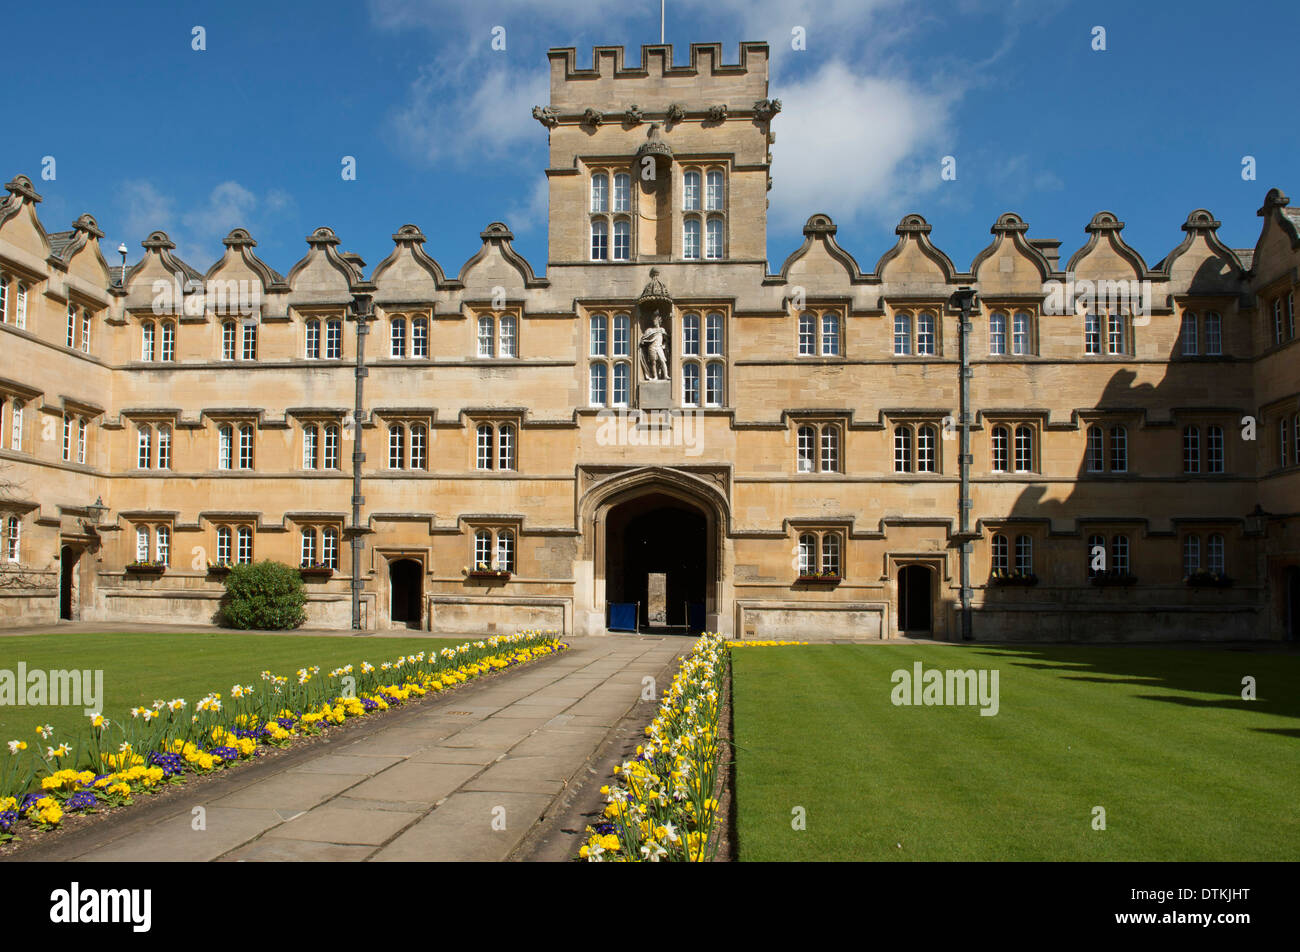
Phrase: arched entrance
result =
(915, 600)
(405, 586)
(68, 559)
(656, 555)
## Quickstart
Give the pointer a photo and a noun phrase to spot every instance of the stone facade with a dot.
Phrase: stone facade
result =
(516, 469)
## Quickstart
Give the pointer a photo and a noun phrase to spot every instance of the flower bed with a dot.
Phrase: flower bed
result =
(146, 568)
(112, 762)
(663, 804)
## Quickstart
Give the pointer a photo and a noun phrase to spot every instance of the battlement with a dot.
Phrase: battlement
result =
(655, 84)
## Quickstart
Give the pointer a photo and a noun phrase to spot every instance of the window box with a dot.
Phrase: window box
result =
(316, 572)
(495, 574)
(146, 568)
(1208, 580)
(1025, 579)
(825, 579)
(219, 568)
(1107, 579)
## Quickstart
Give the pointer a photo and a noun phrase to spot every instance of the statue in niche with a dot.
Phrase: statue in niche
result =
(654, 351)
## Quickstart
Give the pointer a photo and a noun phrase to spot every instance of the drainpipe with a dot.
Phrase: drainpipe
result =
(964, 299)
(363, 315)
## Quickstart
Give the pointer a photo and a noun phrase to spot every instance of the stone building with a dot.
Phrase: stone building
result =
(660, 421)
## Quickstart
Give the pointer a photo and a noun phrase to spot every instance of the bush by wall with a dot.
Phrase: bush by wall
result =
(264, 595)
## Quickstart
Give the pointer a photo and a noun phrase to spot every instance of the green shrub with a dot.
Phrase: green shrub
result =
(265, 595)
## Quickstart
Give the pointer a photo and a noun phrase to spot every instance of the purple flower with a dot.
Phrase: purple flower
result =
(82, 800)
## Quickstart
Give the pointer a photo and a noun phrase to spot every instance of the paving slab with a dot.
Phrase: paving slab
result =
(296, 851)
(458, 755)
(349, 763)
(290, 792)
(462, 829)
(329, 824)
(175, 839)
(412, 782)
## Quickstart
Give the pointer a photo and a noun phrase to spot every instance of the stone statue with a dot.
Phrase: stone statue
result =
(654, 351)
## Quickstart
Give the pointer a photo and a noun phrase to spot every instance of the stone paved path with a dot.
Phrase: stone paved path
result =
(463, 779)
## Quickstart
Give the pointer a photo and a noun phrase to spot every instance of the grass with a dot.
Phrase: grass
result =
(141, 667)
(1159, 737)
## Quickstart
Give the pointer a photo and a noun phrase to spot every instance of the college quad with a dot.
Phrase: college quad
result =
(660, 432)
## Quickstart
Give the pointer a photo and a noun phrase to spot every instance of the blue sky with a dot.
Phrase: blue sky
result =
(148, 133)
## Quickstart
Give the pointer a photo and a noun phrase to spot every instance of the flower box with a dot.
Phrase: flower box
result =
(1108, 579)
(1013, 578)
(821, 579)
(1208, 580)
(499, 575)
(315, 571)
(219, 568)
(146, 568)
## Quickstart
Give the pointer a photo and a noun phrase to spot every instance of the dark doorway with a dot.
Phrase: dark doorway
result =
(406, 582)
(914, 599)
(1291, 581)
(657, 533)
(68, 559)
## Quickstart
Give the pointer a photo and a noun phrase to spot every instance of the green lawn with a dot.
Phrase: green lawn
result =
(141, 667)
(1159, 737)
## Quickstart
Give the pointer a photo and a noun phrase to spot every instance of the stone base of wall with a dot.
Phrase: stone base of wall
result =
(767, 621)
(495, 616)
(19, 608)
(1117, 624)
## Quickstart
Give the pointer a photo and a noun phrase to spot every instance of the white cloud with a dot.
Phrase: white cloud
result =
(531, 213)
(855, 145)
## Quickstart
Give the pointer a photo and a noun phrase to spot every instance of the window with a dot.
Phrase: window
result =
(505, 560)
(1290, 316)
(1092, 334)
(925, 449)
(509, 346)
(16, 428)
(1187, 334)
(925, 334)
(1024, 555)
(397, 337)
(419, 450)
(691, 384)
(713, 238)
(622, 239)
(691, 191)
(902, 449)
(485, 446)
(1191, 449)
(331, 457)
(1096, 555)
(250, 342)
(72, 325)
(1277, 320)
(310, 446)
(1191, 555)
(1118, 449)
(506, 446)
(691, 239)
(599, 341)
(1020, 334)
(1024, 449)
(830, 335)
(144, 455)
(246, 447)
(1095, 454)
(713, 335)
(622, 335)
(333, 339)
(228, 340)
(164, 446)
(81, 442)
(691, 335)
(902, 335)
(713, 384)
(13, 539)
(396, 446)
(599, 240)
(830, 449)
(329, 554)
(225, 441)
(1000, 557)
(1117, 333)
(1000, 439)
(483, 549)
(1283, 432)
(86, 321)
(146, 340)
(142, 544)
(244, 553)
(162, 545)
(308, 551)
(223, 545)
(807, 335)
(1213, 334)
(997, 337)
(486, 333)
(600, 369)
(1119, 562)
(313, 340)
(20, 306)
(4, 297)
(1214, 449)
(622, 383)
(600, 192)
(67, 437)
(713, 196)
(420, 337)
(622, 192)
(168, 341)
(821, 553)
(599, 385)
(804, 440)
(1217, 553)
(494, 550)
